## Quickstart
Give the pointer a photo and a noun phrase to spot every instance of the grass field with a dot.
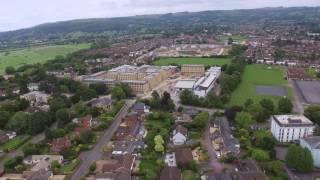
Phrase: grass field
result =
(36, 54)
(258, 75)
(204, 61)
(234, 37)
(14, 143)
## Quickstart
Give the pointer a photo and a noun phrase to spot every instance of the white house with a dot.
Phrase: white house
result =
(179, 135)
(36, 97)
(42, 161)
(313, 144)
(287, 128)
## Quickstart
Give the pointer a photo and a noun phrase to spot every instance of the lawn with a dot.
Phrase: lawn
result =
(258, 75)
(14, 143)
(36, 54)
(234, 37)
(204, 61)
(68, 168)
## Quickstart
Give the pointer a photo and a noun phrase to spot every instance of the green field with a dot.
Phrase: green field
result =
(238, 38)
(36, 54)
(204, 61)
(258, 75)
(14, 143)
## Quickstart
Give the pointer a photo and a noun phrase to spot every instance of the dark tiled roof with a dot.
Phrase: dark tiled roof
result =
(184, 156)
(182, 130)
(170, 173)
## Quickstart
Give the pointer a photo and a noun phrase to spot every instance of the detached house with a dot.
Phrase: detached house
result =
(103, 103)
(141, 108)
(36, 98)
(60, 144)
(115, 168)
(179, 135)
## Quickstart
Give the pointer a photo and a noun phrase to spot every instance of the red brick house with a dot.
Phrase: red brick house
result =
(60, 144)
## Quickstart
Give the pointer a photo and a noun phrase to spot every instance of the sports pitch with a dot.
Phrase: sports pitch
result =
(269, 81)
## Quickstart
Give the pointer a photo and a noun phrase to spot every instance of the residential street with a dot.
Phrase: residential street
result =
(214, 162)
(89, 157)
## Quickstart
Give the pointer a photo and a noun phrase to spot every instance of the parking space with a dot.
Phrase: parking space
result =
(309, 90)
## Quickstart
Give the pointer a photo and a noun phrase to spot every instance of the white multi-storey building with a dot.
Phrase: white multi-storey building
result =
(287, 128)
(202, 86)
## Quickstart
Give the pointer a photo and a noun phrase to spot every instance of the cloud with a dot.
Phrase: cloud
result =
(15, 14)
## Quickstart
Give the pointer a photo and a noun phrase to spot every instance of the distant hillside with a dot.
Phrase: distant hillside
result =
(166, 23)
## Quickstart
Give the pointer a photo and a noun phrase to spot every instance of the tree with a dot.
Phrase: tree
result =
(260, 155)
(158, 141)
(4, 118)
(63, 117)
(285, 105)
(30, 149)
(267, 105)
(200, 122)
(100, 88)
(258, 112)
(10, 70)
(263, 139)
(38, 121)
(244, 120)
(232, 111)
(248, 103)
(118, 93)
(299, 158)
(57, 103)
(23, 104)
(19, 122)
(313, 113)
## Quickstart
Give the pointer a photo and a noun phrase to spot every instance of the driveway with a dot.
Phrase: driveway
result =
(297, 100)
(214, 162)
(89, 157)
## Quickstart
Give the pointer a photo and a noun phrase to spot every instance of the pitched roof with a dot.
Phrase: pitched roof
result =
(123, 163)
(184, 156)
(170, 173)
(313, 141)
(182, 130)
(139, 106)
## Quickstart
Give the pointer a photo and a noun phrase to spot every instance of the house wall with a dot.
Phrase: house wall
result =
(288, 134)
(314, 152)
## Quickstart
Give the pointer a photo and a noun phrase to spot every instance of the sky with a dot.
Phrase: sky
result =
(17, 14)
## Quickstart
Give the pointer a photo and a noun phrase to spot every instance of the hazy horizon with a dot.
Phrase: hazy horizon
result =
(15, 14)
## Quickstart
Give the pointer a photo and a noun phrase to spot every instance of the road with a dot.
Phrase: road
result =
(89, 157)
(214, 162)
(297, 104)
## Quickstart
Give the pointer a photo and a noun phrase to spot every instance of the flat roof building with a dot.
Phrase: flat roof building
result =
(140, 79)
(192, 70)
(287, 128)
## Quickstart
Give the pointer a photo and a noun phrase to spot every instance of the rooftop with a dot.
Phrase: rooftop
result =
(313, 141)
(185, 84)
(292, 120)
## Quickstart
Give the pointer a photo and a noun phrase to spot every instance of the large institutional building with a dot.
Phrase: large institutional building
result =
(192, 70)
(140, 79)
(287, 128)
(200, 86)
